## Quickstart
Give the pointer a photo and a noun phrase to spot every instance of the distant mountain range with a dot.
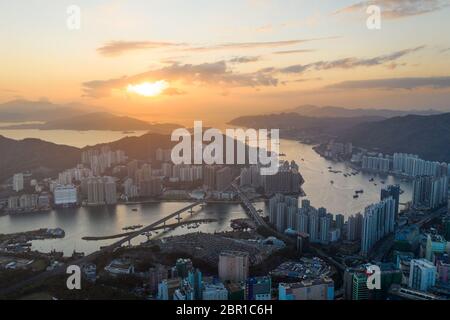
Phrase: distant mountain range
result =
(293, 124)
(341, 112)
(427, 136)
(98, 121)
(25, 110)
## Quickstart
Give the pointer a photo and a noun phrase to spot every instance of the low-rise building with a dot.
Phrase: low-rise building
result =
(120, 267)
(318, 289)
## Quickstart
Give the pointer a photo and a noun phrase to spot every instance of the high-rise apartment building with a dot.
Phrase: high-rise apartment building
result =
(430, 192)
(18, 182)
(422, 274)
(233, 266)
(392, 191)
(378, 221)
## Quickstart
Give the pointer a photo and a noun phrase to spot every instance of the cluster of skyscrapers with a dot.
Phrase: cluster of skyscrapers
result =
(376, 163)
(187, 283)
(430, 192)
(287, 180)
(408, 165)
(285, 214)
(377, 221)
(412, 166)
(99, 160)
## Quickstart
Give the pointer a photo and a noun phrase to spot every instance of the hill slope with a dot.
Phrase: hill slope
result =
(427, 136)
(33, 154)
(98, 121)
(293, 124)
(24, 110)
(40, 156)
(341, 112)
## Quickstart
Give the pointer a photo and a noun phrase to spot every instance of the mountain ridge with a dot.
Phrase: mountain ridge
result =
(342, 112)
(98, 121)
(427, 136)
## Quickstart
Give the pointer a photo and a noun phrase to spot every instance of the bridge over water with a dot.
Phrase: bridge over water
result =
(164, 227)
(41, 277)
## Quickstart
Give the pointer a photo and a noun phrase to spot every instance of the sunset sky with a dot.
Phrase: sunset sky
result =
(212, 60)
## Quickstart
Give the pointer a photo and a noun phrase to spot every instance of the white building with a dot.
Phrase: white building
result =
(422, 274)
(65, 195)
(18, 182)
(233, 266)
(378, 221)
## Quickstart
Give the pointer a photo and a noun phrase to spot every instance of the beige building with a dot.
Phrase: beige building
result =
(233, 266)
(314, 289)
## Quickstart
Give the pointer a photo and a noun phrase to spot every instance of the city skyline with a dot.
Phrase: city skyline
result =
(244, 151)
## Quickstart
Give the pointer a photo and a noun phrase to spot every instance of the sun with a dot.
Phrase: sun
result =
(148, 89)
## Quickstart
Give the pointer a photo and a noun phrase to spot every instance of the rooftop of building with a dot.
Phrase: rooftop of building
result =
(308, 283)
(120, 264)
(306, 268)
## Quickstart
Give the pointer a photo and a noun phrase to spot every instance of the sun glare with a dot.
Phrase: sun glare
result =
(148, 89)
